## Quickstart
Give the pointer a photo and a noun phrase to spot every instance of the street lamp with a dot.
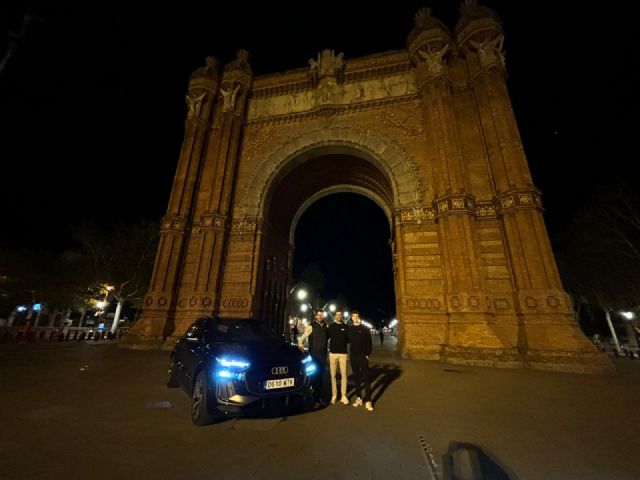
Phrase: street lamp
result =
(302, 294)
(332, 308)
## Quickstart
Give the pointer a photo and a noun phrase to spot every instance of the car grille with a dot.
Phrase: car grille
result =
(256, 377)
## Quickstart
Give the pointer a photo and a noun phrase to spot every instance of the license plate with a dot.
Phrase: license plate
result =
(279, 383)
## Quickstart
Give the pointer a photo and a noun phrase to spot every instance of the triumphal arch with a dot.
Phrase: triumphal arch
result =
(428, 133)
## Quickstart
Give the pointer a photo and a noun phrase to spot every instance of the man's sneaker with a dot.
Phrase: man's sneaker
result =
(344, 401)
(368, 406)
(333, 400)
(358, 402)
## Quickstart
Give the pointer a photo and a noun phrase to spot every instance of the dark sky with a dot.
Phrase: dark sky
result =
(92, 103)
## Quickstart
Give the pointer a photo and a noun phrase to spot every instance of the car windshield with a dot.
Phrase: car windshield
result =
(228, 330)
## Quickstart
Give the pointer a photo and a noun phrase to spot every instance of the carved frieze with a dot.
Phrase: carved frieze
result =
(517, 200)
(330, 92)
(407, 119)
(235, 303)
(213, 221)
(435, 304)
(455, 204)
(173, 224)
(485, 210)
(244, 226)
(417, 214)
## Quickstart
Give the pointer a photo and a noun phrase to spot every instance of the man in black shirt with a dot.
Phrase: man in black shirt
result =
(338, 356)
(360, 349)
(317, 335)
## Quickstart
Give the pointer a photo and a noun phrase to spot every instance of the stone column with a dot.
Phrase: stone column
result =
(200, 281)
(549, 336)
(157, 320)
(469, 337)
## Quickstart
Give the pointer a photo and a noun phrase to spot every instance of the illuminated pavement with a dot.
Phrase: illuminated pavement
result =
(89, 410)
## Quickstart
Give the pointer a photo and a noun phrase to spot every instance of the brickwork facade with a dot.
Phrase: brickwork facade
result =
(428, 133)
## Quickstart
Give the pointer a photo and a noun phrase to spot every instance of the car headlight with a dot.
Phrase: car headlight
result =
(309, 365)
(231, 368)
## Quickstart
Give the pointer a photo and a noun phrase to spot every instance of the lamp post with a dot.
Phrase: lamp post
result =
(632, 340)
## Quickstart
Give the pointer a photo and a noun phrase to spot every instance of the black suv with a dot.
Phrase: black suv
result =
(234, 366)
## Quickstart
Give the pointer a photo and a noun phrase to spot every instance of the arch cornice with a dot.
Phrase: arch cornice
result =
(370, 145)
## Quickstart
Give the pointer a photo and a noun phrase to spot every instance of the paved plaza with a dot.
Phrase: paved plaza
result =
(90, 410)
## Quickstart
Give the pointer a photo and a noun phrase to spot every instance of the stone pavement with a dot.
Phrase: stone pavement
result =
(90, 410)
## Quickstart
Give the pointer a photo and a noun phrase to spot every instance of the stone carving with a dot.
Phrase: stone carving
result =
(525, 198)
(507, 202)
(406, 120)
(240, 63)
(328, 65)
(417, 214)
(209, 70)
(434, 59)
(194, 103)
(240, 227)
(404, 174)
(485, 210)
(553, 302)
(313, 70)
(428, 303)
(235, 303)
(229, 96)
(490, 51)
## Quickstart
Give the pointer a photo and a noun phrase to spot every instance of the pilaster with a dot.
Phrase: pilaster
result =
(548, 334)
(206, 249)
(157, 320)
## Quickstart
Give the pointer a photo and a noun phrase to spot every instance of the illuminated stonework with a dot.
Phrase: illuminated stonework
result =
(428, 134)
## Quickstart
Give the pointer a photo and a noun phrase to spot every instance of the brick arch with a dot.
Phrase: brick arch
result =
(369, 145)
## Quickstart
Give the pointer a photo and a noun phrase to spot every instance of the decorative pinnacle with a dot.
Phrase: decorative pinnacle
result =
(423, 17)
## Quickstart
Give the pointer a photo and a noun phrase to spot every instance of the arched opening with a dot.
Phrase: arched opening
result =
(348, 201)
(342, 256)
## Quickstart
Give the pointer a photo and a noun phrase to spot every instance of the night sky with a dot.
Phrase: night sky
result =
(92, 109)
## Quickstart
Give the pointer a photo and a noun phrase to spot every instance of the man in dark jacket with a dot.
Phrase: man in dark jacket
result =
(317, 335)
(360, 341)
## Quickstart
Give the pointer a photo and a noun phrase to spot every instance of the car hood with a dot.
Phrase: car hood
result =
(258, 352)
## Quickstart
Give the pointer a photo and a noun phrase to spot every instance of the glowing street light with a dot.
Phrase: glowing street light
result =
(332, 308)
(302, 294)
(304, 307)
(627, 315)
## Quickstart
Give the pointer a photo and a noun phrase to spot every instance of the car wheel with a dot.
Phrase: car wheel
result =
(172, 378)
(200, 414)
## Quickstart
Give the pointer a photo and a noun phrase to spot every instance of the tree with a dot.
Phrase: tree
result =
(121, 257)
(599, 254)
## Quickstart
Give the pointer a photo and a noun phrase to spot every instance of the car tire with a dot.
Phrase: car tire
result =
(200, 413)
(172, 377)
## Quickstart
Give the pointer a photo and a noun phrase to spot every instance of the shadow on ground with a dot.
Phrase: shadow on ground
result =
(466, 461)
(380, 376)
